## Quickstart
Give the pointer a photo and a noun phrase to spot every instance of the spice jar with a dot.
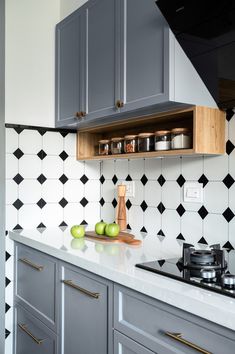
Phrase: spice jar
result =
(103, 147)
(162, 140)
(130, 144)
(117, 146)
(145, 142)
(180, 138)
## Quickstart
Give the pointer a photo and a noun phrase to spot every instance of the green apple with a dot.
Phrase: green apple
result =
(112, 230)
(99, 248)
(78, 243)
(77, 231)
(100, 228)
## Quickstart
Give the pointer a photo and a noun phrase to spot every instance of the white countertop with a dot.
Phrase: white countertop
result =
(117, 263)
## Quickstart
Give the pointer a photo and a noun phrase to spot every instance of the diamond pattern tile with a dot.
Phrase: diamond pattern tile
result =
(114, 179)
(161, 233)
(102, 179)
(128, 226)
(229, 114)
(161, 180)
(204, 180)
(7, 307)
(229, 147)
(64, 133)
(41, 225)
(63, 179)
(84, 222)
(18, 130)
(84, 179)
(128, 178)
(41, 179)
(203, 212)
(228, 214)
(18, 153)
(18, 204)
(41, 154)
(18, 227)
(63, 224)
(84, 202)
(143, 205)
(114, 202)
(102, 201)
(228, 181)
(7, 256)
(180, 237)
(202, 241)
(41, 203)
(161, 208)
(7, 333)
(7, 281)
(63, 202)
(144, 180)
(143, 229)
(228, 246)
(180, 210)
(181, 180)
(18, 178)
(63, 155)
(128, 204)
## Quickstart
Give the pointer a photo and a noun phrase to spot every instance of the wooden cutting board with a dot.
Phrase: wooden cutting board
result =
(122, 237)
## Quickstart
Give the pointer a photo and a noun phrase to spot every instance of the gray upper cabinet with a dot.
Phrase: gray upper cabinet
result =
(144, 55)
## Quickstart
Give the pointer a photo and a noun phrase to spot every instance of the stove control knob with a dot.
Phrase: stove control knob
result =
(208, 274)
(228, 281)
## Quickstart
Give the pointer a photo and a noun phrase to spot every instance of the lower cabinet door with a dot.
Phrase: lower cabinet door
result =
(124, 345)
(32, 336)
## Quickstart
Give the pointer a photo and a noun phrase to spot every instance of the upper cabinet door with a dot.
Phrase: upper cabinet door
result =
(69, 34)
(144, 55)
(101, 84)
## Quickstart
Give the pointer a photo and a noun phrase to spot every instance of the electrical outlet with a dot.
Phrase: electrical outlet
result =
(130, 188)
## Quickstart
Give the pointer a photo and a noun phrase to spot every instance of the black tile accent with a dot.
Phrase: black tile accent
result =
(181, 180)
(18, 130)
(41, 154)
(41, 225)
(18, 227)
(229, 114)
(83, 222)
(161, 262)
(228, 214)
(18, 178)
(202, 241)
(204, 180)
(128, 204)
(102, 202)
(41, 179)
(64, 134)
(180, 237)
(203, 212)
(18, 204)
(228, 181)
(144, 230)
(84, 179)
(18, 153)
(161, 233)
(63, 202)
(7, 282)
(114, 202)
(41, 203)
(114, 179)
(228, 246)
(6, 233)
(63, 155)
(63, 224)
(84, 202)
(7, 256)
(229, 147)
(7, 307)
(7, 333)
(42, 131)
(128, 178)
(161, 208)
(128, 226)
(161, 180)
(63, 179)
(143, 205)
(144, 180)
(180, 210)
(102, 179)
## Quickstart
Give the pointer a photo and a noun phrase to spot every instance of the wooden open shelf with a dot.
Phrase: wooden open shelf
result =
(207, 126)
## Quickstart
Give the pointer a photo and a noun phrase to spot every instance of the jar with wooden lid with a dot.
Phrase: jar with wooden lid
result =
(145, 142)
(162, 140)
(117, 145)
(104, 147)
(181, 138)
(130, 144)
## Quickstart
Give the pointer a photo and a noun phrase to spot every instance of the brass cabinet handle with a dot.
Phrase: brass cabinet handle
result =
(32, 265)
(178, 338)
(83, 114)
(84, 291)
(25, 329)
(78, 115)
(119, 104)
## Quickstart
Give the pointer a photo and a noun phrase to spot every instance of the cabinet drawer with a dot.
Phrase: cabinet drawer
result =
(155, 325)
(31, 335)
(124, 345)
(36, 283)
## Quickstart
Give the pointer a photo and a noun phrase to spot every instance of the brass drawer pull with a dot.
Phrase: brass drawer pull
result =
(119, 104)
(178, 338)
(34, 266)
(78, 115)
(25, 329)
(84, 291)
(83, 114)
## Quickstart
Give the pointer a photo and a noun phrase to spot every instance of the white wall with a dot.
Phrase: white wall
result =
(30, 33)
(68, 6)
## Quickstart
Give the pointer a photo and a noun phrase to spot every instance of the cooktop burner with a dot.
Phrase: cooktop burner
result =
(211, 269)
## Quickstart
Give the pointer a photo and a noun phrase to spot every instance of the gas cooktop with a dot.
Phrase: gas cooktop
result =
(212, 269)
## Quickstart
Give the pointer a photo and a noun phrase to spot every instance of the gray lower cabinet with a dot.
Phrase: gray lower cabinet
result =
(125, 345)
(86, 316)
(31, 335)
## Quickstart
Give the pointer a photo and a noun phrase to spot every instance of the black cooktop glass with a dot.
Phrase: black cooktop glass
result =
(172, 268)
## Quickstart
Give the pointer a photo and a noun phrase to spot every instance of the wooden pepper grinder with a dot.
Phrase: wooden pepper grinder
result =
(121, 208)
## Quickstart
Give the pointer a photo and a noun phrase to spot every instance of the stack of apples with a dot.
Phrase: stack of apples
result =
(101, 228)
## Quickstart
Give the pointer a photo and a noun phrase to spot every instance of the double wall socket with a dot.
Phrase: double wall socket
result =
(130, 188)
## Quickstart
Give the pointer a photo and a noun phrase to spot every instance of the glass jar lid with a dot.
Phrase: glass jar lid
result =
(117, 139)
(104, 141)
(179, 130)
(162, 132)
(129, 137)
(145, 135)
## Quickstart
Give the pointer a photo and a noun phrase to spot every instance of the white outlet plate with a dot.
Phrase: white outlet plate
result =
(193, 192)
(130, 188)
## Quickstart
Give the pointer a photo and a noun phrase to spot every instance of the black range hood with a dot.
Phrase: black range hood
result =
(205, 30)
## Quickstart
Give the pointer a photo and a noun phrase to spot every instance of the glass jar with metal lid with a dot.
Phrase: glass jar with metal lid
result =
(130, 144)
(162, 140)
(181, 138)
(145, 142)
(104, 147)
(117, 146)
